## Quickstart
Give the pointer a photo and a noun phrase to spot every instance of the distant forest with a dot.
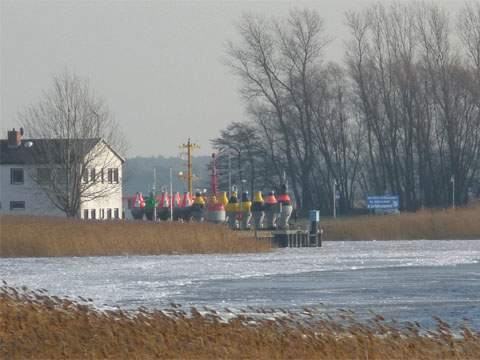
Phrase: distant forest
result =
(399, 114)
(138, 173)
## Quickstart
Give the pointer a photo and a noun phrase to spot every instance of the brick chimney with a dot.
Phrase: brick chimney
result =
(15, 137)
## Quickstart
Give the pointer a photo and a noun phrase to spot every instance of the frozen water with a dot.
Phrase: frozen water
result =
(405, 280)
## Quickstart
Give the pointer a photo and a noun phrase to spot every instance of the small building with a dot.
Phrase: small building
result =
(22, 166)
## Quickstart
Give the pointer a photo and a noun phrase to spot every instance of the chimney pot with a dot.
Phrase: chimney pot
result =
(14, 138)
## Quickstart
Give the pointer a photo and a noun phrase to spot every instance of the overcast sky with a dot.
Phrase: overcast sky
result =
(158, 65)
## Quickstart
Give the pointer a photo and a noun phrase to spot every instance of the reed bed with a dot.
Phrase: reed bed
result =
(34, 325)
(462, 223)
(28, 236)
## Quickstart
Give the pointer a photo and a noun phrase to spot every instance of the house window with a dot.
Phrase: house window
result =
(109, 214)
(110, 176)
(85, 213)
(115, 175)
(92, 175)
(85, 176)
(17, 205)
(102, 177)
(116, 213)
(16, 176)
(93, 214)
(44, 175)
(102, 213)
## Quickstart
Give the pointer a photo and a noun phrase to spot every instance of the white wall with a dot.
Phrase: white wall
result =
(37, 203)
(104, 158)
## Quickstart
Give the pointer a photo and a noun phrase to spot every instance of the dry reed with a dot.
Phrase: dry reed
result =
(28, 236)
(34, 325)
(462, 223)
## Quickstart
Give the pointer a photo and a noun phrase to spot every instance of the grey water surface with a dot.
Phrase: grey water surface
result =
(403, 280)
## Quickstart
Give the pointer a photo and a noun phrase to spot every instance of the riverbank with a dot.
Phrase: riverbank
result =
(35, 325)
(28, 236)
(458, 224)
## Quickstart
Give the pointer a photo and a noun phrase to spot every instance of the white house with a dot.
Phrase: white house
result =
(22, 165)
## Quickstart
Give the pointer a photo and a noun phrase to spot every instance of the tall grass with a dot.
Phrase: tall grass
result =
(27, 236)
(462, 223)
(34, 325)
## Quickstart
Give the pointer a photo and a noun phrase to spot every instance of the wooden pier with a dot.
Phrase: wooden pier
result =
(290, 238)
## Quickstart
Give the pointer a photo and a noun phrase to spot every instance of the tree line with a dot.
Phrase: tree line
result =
(400, 114)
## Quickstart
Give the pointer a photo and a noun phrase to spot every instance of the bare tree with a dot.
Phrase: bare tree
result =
(468, 26)
(71, 130)
(417, 98)
(402, 117)
(337, 141)
(256, 60)
(279, 63)
(239, 142)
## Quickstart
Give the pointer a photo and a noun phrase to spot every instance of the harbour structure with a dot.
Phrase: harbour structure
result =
(138, 209)
(189, 147)
(292, 238)
(238, 214)
(215, 208)
(151, 206)
(286, 208)
(271, 210)
(258, 213)
(245, 214)
(295, 237)
(232, 208)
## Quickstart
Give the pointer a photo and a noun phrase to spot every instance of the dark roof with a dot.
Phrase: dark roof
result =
(37, 153)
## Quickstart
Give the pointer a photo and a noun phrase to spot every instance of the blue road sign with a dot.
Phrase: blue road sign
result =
(383, 202)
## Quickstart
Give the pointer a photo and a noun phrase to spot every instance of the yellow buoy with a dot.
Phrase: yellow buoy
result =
(233, 204)
(246, 204)
(224, 198)
(199, 200)
(258, 197)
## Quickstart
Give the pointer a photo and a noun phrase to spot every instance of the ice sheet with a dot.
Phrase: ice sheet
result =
(409, 280)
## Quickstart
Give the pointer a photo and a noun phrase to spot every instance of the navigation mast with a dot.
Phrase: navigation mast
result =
(189, 176)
